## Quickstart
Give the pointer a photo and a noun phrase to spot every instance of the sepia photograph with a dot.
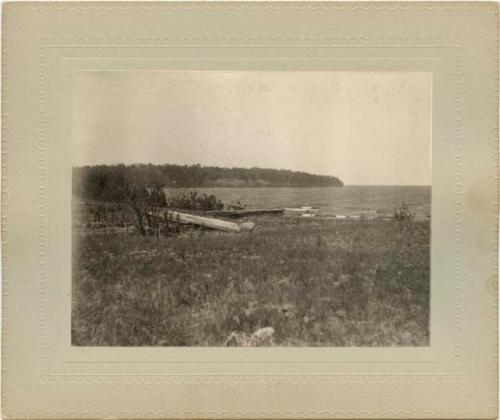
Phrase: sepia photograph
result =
(251, 208)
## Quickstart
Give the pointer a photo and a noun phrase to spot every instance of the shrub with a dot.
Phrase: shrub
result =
(192, 200)
(403, 213)
(236, 206)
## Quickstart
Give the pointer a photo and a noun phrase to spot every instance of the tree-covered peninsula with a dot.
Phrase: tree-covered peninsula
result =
(109, 182)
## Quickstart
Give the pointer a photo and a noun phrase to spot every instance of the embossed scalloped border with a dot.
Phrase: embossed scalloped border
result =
(302, 414)
(256, 5)
(203, 6)
(495, 162)
(3, 206)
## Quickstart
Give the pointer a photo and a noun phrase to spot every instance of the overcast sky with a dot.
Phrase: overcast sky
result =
(364, 127)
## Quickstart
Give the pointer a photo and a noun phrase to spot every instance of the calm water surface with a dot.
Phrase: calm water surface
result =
(349, 199)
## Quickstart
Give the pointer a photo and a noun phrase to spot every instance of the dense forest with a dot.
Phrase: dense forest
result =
(112, 183)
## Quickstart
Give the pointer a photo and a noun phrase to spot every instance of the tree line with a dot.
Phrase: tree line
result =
(117, 183)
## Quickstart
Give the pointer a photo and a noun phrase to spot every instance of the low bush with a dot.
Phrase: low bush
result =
(403, 213)
(192, 200)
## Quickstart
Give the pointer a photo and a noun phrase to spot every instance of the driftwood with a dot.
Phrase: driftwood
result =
(234, 214)
(302, 211)
(208, 222)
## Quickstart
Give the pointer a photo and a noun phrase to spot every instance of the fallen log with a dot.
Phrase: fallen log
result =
(208, 222)
(234, 214)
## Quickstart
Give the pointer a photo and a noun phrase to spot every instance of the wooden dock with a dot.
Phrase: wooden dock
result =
(235, 214)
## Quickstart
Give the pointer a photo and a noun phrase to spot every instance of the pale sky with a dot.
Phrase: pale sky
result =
(367, 128)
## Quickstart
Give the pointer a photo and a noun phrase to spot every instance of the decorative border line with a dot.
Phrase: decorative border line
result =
(42, 208)
(251, 41)
(495, 162)
(47, 378)
(255, 5)
(4, 207)
(303, 414)
(458, 84)
(241, 379)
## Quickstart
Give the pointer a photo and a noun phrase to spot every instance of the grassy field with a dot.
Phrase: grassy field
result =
(316, 282)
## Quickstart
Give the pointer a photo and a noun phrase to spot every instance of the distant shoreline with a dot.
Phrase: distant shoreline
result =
(250, 186)
(298, 186)
(120, 182)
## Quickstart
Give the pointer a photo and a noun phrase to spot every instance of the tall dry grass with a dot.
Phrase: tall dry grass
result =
(316, 282)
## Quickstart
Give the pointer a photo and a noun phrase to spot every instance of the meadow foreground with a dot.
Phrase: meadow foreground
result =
(317, 282)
